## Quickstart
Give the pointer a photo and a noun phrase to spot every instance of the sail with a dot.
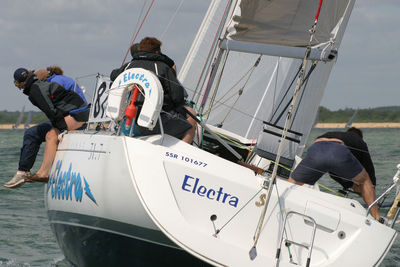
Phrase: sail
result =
(28, 120)
(251, 79)
(285, 22)
(199, 59)
(350, 122)
(19, 119)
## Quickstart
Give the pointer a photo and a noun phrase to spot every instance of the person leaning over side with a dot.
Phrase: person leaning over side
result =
(345, 156)
(65, 109)
(36, 135)
(174, 117)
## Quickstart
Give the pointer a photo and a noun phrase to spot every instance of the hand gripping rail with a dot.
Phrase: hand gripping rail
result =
(153, 92)
(396, 182)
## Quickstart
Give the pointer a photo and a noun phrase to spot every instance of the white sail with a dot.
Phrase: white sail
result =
(285, 22)
(19, 119)
(199, 59)
(248, 92)
(28, 120)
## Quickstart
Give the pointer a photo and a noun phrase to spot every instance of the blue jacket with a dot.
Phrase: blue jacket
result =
(68, 83)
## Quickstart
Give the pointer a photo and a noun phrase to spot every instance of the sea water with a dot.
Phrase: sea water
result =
(25, 235)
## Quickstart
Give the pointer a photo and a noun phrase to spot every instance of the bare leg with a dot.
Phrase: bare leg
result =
(294, 181)
(51, 145)
(367, 191)
(72, 124)
(49, 152)
(357, 188)
(189, 135)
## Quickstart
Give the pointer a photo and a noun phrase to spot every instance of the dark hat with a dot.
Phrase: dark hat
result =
(134, 48)
(20, 74)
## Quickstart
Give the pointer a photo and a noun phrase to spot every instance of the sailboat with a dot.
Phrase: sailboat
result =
(256, 72)
(19, 119)
(28, 120)
(350, 122)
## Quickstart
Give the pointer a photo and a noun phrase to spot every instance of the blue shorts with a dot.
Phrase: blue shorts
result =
(327, 156)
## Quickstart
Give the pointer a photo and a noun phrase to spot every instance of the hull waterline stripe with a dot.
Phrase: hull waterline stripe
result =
(106, 225)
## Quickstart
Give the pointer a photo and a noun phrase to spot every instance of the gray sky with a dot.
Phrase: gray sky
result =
(92, 36)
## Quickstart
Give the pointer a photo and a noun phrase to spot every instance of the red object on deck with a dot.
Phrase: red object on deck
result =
(131, 110)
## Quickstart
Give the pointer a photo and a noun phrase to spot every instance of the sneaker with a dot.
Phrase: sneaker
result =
(18, 180)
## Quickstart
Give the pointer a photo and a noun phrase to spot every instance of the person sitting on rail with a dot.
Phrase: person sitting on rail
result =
(65, 109)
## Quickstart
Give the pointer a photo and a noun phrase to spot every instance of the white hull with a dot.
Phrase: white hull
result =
(102, 223)
(133, 188)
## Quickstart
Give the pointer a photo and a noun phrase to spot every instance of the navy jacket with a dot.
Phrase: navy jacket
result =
(53, 99)
(174, 92)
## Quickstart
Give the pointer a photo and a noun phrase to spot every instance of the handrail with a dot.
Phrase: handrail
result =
(380, 197)
(396, 179)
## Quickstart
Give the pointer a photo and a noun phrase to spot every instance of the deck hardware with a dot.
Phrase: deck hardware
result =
(341, 235)
(214, 218)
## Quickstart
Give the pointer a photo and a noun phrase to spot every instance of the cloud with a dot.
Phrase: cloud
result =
(365, 73)
(93, 36)
(85, 37)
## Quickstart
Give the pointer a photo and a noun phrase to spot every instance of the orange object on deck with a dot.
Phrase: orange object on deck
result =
(131, 110)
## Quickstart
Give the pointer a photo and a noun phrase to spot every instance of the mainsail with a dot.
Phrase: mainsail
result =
(242, 69)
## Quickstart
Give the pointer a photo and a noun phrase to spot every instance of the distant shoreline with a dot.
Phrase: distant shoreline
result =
(10, 126)
(318, 125)
(360, 125)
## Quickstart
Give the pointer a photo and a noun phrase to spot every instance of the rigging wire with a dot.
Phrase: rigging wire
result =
(234, 215)
(137, 32)
(250, 116)
(210, 52)
(253, 251)
(240, 92)
(172, 19)
(282, 212)
(286, 92)
(245, 147)
(139, 17)
(314, 64)
(221, 100)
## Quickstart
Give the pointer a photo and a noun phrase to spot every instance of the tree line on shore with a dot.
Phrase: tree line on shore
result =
(381, 114)
(10, 117)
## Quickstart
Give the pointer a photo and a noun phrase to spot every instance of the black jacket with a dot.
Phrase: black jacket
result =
(173, 90)
(53, 99)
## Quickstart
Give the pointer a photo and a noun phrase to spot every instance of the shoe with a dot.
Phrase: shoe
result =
(18, 180)
(36, 178)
